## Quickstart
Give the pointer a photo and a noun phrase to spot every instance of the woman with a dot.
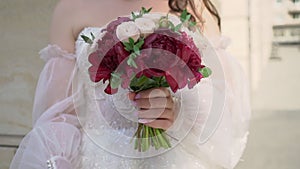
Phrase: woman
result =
(59, 141)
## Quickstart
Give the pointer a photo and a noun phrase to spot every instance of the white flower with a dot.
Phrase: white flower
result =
(145, 25)
(174, 19)
(155, 17)
(128, 30)
(185, 29)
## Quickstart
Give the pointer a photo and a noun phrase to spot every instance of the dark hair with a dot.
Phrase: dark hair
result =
(178, 6)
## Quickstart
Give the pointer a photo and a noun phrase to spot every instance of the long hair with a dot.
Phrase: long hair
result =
(178, 6)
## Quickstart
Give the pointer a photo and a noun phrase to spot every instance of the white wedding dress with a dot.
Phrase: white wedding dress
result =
(76, 125)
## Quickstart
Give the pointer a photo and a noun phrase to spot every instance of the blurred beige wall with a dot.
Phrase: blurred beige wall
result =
(24, 31)
(249, 24)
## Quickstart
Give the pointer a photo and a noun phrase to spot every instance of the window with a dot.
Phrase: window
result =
(295, 1)
(278, 32)
(278, 1)
(295, 32)
(295, 15)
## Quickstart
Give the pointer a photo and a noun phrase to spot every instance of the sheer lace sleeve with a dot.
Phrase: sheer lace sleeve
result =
(225, 146)
(55, 138)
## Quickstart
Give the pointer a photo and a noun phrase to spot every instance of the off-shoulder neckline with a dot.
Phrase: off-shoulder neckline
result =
(54, 50)
(58, 49)
(219, 42)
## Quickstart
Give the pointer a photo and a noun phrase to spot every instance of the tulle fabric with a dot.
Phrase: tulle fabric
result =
(57, 135)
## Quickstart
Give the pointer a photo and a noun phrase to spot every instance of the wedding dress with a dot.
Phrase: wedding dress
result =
(77, 125)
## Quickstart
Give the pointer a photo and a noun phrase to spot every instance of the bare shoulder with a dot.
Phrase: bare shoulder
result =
(71, 16)
(62, 24)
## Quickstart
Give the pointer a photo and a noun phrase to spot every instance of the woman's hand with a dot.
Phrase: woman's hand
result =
(155, 107)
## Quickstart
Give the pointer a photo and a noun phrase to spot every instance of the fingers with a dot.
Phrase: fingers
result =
(157, 118)
(156, 107)
(131, 95)
(154, 103)
(153, 93)
(156, 114)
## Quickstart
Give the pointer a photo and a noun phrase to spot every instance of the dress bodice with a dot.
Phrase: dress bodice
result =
(108, 125)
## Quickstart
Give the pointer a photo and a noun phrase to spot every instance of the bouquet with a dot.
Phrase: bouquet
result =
(143, 51)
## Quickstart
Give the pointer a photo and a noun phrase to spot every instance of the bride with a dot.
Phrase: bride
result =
(76, 125)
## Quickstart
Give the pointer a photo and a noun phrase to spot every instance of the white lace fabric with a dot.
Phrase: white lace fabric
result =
(64, 92)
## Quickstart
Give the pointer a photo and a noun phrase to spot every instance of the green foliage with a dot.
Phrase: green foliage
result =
(134, 48)
(141, 13)
(115, 80)
(144, 83)
(93, 36)
(130, 60)
(206, 72)
(86, 39)
(185, 18)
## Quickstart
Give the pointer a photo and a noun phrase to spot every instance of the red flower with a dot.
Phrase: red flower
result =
(173, 55)
(164, 53)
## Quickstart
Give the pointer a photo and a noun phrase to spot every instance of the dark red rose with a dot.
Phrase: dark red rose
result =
(172, 82)
(120, 52)
(164, 53)
(109, 54)
(168, 48)
(195, 79)
(97, 73)
(194, 62)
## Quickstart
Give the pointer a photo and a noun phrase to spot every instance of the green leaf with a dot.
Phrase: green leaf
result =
(143, 83)
(141, 80)
(171, 25)
(149, 10)
(128, 47)
(133, 15)
(136, 50)
(144, 10)
(183, 15)
(177, 28)
(140, 43)
(131, 62)
(206, 72)
(86, 39)
(115, 80)
(188, 17)
(131, 41)
(193, 23)
(93, 36)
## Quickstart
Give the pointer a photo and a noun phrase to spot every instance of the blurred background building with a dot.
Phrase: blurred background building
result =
(265, 39)
(249, 24)
(286, 27)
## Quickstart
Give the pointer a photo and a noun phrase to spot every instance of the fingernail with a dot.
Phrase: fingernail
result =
(138, 96)
(143, 121)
